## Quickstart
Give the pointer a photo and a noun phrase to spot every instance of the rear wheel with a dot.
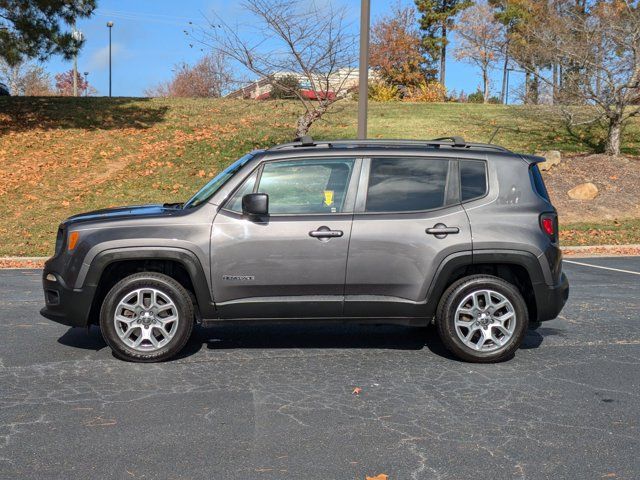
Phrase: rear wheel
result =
(482, 318)
(147, 317)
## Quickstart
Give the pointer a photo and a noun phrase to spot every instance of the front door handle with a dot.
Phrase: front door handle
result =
(325, 233)
(440, 230)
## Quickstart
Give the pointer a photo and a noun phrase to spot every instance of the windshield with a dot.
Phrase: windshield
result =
(214, 185)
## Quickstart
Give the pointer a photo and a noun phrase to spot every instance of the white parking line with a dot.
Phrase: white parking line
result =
(603, 268)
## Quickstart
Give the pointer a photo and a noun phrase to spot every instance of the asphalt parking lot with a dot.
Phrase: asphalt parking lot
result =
(275, 402)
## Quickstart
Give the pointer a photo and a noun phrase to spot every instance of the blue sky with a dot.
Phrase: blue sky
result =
(149, 40)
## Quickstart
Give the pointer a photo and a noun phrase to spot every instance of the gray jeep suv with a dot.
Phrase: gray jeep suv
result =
(383, 231)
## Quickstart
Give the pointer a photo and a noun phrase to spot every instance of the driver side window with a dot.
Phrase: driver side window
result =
(300, 187)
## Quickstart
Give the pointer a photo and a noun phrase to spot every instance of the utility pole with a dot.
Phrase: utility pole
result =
(363, 87)
(110, 25)
(77, 36)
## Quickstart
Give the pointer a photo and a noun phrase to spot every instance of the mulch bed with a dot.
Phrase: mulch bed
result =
(617, 179)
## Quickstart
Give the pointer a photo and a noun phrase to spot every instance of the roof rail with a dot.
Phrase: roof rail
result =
(452, 142)
(457, 141)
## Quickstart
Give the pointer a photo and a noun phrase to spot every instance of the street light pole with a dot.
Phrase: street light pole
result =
(363, 87)
(86, 84)
(110, 25)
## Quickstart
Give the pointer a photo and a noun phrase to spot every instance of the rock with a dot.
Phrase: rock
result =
(553, 157)
(584, 191)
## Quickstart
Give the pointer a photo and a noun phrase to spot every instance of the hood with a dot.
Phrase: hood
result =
(124, 213)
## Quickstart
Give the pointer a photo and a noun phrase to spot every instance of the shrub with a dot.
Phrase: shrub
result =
(475, 97)
(383, 92)
(426, 92)
(286, 87)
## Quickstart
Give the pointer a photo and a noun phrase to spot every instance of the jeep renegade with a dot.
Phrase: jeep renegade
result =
(385, 231)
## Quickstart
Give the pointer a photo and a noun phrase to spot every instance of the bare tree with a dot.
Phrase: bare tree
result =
(26, 78)
(609, 83)
(481, 41)
(210, 77)
(36, 82)
(309, 40)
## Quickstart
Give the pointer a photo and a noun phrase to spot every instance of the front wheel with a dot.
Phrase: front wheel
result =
(147, 317)
(482, 318)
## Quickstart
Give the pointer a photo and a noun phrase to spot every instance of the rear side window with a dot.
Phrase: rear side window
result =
(538, 182)
(406, 184)
(473, 179)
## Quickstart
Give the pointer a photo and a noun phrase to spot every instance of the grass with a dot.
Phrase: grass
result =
(60, 156)
(621, 232)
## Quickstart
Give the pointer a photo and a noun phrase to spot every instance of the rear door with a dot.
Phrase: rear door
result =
(407, 219)
(292, 263)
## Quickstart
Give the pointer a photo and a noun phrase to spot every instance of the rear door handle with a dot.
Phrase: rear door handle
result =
(440, 230)
(325, 232)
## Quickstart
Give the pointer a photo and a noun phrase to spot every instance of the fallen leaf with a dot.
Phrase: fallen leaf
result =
(382, 476)
(356, 391)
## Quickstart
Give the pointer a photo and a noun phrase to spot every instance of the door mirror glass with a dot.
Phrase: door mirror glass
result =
(255, 204)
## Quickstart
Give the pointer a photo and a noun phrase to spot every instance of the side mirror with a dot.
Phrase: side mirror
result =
(255, 204)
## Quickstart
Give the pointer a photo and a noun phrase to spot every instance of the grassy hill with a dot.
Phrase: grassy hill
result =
(60, 156)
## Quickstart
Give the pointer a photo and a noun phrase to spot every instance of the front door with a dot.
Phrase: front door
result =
(291, 263)
(407, 219)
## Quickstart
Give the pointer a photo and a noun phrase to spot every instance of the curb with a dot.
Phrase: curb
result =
(604, 247)
(23, 259)
(627, 250)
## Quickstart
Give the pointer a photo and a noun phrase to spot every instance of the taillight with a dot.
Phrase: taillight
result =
(549, 225)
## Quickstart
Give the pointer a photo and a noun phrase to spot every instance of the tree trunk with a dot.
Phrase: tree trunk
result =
(614, 136)
(443, 56)
(485, 85)
(307, 119)
(554, 94)
(14, 81)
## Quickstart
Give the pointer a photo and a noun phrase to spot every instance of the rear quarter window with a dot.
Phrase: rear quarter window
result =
(538, 182)
(473, 179)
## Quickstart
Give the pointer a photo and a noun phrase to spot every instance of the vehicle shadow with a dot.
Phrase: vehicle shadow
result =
(83, 338)
(287, 336)
(316, 336)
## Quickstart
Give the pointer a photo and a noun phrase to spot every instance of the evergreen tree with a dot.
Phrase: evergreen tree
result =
(36, 28)
(437, 20)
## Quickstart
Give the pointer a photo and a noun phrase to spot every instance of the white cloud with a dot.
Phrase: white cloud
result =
(100, 58)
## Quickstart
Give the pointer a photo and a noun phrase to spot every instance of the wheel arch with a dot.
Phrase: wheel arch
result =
(520, 268)
(110, 266)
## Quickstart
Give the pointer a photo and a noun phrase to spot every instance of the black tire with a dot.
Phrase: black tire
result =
(168, 287)
(451, 298)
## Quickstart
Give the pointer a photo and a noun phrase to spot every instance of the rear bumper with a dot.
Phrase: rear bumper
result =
(65, 305)
(551, 299)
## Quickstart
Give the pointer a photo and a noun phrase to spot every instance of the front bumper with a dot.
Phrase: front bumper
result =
(66, 305)
(551, 299)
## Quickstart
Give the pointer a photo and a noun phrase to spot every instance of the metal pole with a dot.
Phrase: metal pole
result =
(75, 75)
(506, 98)
(363, 87)
(110, 25)
(77, 36)
(86, 84)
